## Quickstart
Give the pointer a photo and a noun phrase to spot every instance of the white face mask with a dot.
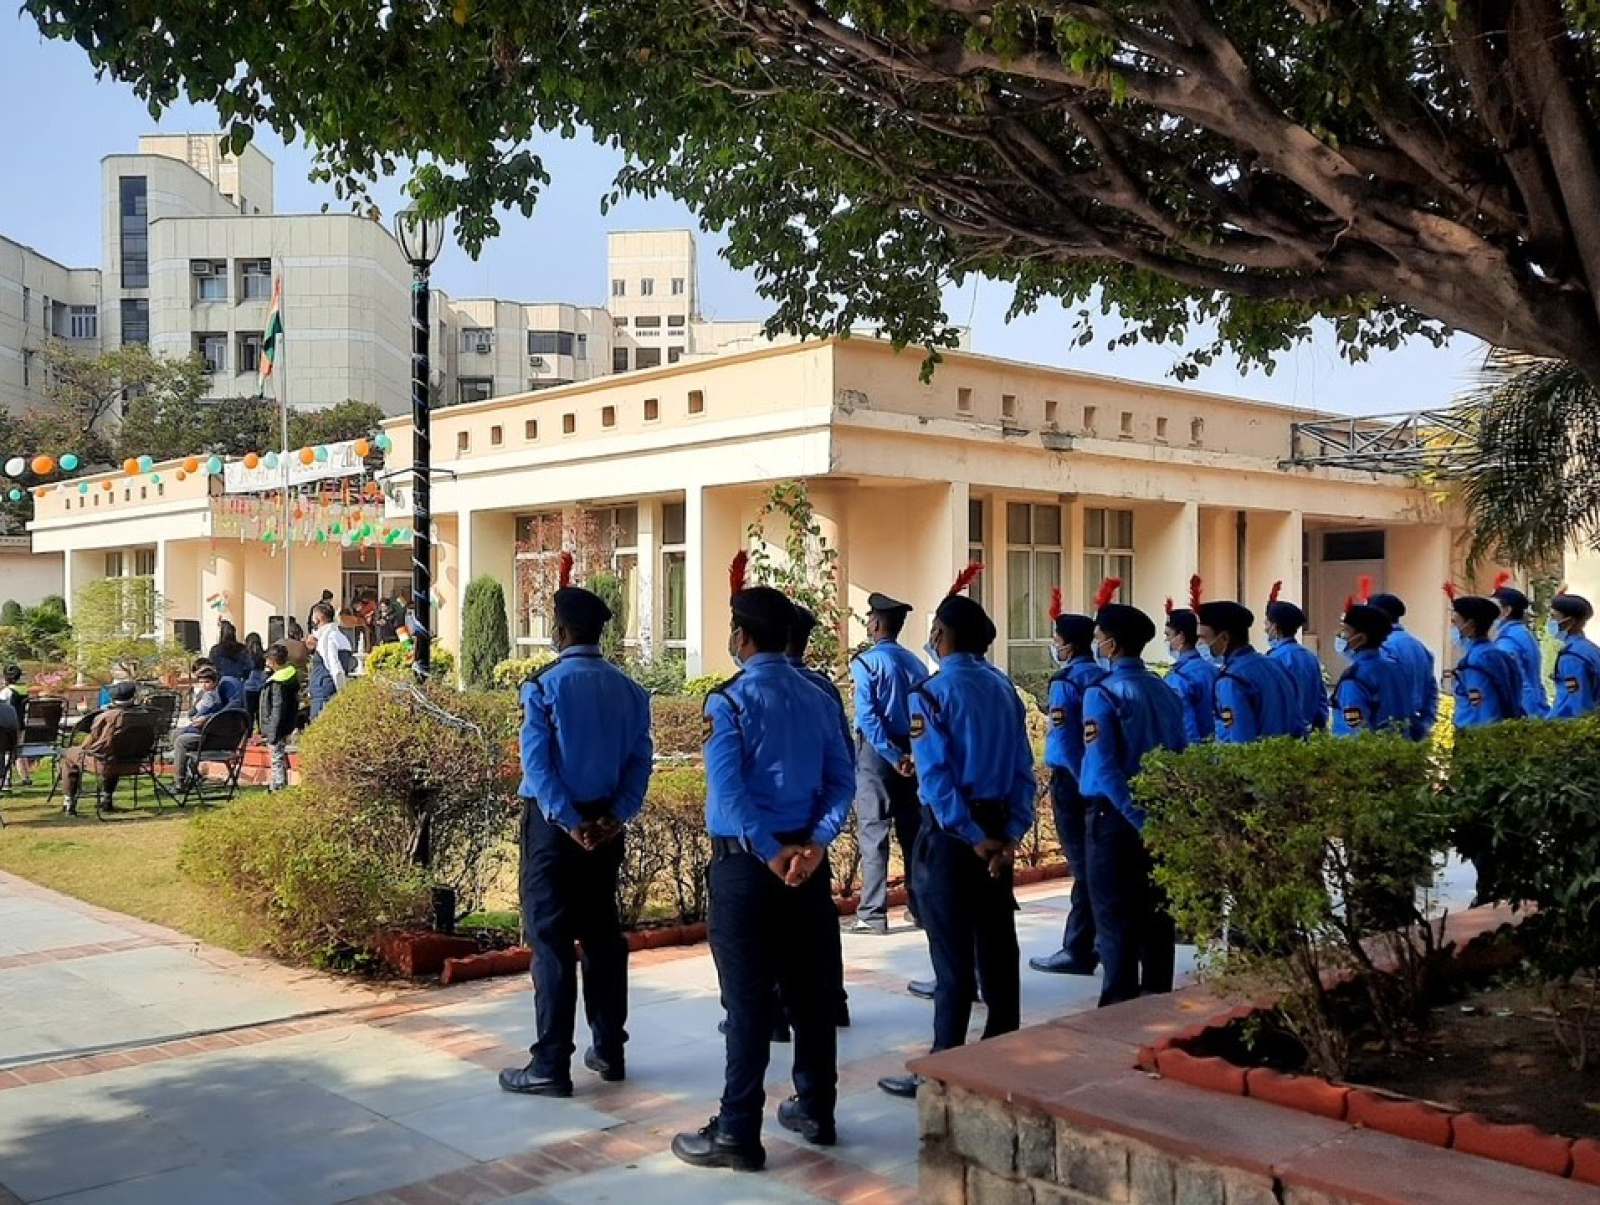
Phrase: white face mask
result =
(733, 651)
(1059, 654)
(932, 653)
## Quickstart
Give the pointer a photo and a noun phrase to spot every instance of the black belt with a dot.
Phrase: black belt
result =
(588, 810)
(727, 847)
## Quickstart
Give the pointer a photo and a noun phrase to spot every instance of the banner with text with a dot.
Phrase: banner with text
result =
(342, 461)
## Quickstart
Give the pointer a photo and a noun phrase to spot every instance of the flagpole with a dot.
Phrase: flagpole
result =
(283, 463)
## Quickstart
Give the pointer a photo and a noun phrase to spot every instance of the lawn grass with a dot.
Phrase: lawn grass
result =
(129, 863)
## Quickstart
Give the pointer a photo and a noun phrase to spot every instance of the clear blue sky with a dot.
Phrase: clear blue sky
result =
(59, 121)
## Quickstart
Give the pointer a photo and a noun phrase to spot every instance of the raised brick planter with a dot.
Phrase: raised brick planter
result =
(1070, 1113)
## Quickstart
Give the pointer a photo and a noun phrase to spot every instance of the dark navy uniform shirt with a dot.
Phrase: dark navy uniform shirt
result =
(1125, 715)
(585, 738)
(970, 737)
(1195, 680)
(1063, 741)
(1255, 699)
(885, 674)
(1488, 686)
(1372, 695)
(1310, 688)
(1516, 638)
(775, 760)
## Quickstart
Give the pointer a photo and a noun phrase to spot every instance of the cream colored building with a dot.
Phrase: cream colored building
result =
(40, 300)
(1047, 477)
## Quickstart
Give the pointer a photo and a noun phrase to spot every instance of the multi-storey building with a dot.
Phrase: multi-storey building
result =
(40, 300)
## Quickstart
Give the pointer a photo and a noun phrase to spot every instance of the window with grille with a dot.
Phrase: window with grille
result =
(1033, 569)
(1107, 551)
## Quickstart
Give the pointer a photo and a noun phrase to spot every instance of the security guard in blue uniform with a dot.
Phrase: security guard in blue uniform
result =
(1577, 673)
(1284, 623)
(978, 787)
(1193, 674)
(1072, 646)
(1126, 715)
(884, 674)
(778, 790)
(1372, 694)
(1254, 697)
(586, 758)
(1416, 659)
(1488, 681)
(1517, 638)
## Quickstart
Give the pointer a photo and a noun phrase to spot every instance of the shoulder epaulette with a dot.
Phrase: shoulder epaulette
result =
(721, 688)
(543, 670)
(921, 688)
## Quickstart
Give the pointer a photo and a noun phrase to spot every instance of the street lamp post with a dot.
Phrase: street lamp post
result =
(420, 238)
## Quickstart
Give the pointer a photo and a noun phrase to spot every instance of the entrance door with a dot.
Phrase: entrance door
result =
(1343, 557)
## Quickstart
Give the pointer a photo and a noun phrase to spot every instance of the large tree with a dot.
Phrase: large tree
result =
(1396, 166)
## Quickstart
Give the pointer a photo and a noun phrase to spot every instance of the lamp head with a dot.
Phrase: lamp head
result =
(420, 238)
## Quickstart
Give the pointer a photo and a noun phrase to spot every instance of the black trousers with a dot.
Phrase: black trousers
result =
(569, 897)
(970, 920)
(1071, 816)
(764, 932)
(886, 805)
(1134, 933)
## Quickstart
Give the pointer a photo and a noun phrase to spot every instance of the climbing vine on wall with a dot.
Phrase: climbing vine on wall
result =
(789, 552)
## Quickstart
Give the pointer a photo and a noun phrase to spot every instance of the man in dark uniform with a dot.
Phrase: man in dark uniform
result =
(1194, 673)
(586, 758)
(778, 790)
(1517, 638)
(1073, 650)
(1577, 674)
(1255, 698)
(884, 673)
(1416, 660)
(1125, 715)
(977, 783)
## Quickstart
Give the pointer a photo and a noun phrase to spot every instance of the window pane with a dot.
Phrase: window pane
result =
(1028, 659)
(676, 626)
(1019, 593)
(1047, 525)
(1094, 528)
(672, 523)
(975, 520)
(1094, 572)
(1121, 529)
(1122, 566)
(976, 591)
(628, 571)
(1017, 526)
(648, 357)
(623, 522)
(1047, 573)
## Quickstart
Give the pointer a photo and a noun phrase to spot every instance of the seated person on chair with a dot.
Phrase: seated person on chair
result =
(207, 702)
(102, 739)
(10, 737)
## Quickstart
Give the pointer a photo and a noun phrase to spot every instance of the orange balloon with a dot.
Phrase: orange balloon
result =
(191, 464)
(182, 475)
(308, 456)
(43, 465)
(130, 467)
(355, 515)
(251, 460)
(105, 485)
(363, 447)
(41, 491)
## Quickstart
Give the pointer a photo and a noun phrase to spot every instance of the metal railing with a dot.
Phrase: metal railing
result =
(1405, 442)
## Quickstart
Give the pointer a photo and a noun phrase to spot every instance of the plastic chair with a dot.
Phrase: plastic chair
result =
(133, 755)
(40, 732)
(223, 737)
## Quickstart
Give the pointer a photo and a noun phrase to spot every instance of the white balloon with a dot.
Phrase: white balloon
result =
(15, 466)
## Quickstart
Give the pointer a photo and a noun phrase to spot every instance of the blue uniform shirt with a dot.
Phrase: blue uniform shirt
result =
(1577, 678)
(1488, 686)
(825, 684)
(885, 674)
(1372, 695)
(775, 762)
(1414, 657)
(1305, 673)
(1195, 680)
(1063, 741)
(1255, 699)
(971, 741)
(1517, 639)
(1125, 715)
(585, 737)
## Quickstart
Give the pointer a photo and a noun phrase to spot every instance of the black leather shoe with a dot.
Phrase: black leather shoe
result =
(900, 1085)
(792, 1115)
(922, 989)
(1061, 963)
(528, 1082)
(708, 1147)
(613, 1071)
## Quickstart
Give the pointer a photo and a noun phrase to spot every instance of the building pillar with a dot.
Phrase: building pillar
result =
(648, 544)
(224, 592)
(997, 576)
(450, 581)
(1166, 539)
(1273, 552)
(1417, 563)
(1219, 560)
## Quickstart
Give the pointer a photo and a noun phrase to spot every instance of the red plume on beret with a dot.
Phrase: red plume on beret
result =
(1502, 579)
(1108, 591)
(1169, 604)
(1364, 587)
(1277, 589)
(1349, 601)
(1194, 591)
(566, 570)
(1055, 603)
(1450, 591)
(736, 571)
(966, 577)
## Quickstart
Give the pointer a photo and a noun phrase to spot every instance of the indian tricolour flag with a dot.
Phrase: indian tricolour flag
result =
(273, 335)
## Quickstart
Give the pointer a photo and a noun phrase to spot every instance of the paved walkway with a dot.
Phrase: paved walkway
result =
(138, 1067)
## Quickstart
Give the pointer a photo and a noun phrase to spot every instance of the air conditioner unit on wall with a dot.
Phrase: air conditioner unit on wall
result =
(536, 362)
(200, 267)
(483, 346)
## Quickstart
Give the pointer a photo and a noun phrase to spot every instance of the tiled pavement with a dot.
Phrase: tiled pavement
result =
(137, 1066)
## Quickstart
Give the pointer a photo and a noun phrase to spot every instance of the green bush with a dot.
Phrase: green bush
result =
(1311, 851)
(1525, 796)
(485, 641)
(668, 851)
(660, 675)
(676, 724)
(609, 587)
(303, 872)
(511, 673)
(395, 658)
(699, 688)
(10, 613)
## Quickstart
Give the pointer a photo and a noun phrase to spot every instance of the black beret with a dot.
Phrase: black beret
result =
(580, 608)
(882, 602)
(1286, 615)
(1128, 626)
(1482, 611)
(1390, 604)
(1511, 597)
(1372, 622)
(1575, 606)
(966, 619)
(123, 692)
(1076, 630)
(764, 606)
(804, 622)
(1226, 616)
(1183, 620)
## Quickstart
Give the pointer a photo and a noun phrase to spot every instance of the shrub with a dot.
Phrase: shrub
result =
(304, 873)
(676, 725)
(609, 587)
(1525, 796)
(511, 673)
(668, 851)
(485, 641)
(699, 688)
(395, 659)
(660, 675)
(10, 613)
(1311, 851)
(111, 615)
